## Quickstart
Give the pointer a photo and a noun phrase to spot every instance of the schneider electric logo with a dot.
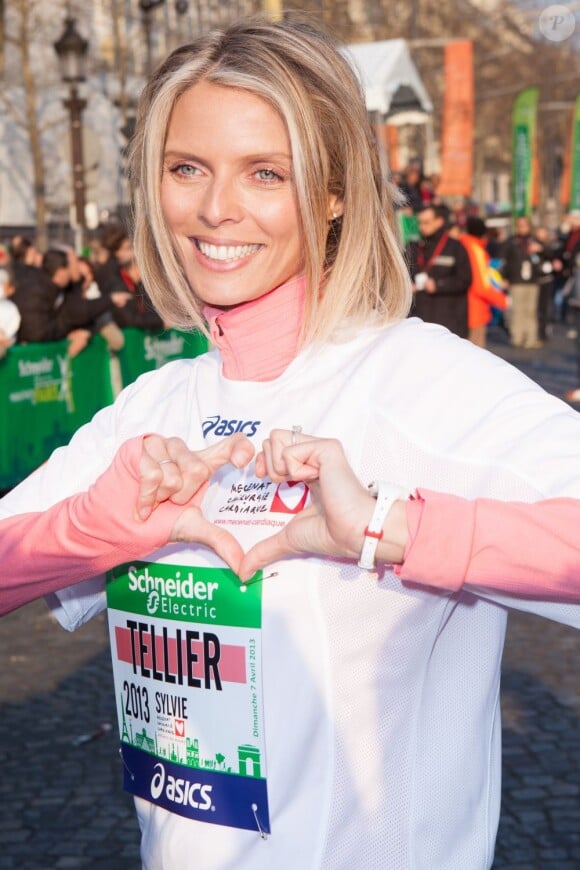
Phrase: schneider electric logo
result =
(177, 595)
(180, 791)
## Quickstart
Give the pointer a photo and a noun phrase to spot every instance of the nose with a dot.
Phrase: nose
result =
(220, 202)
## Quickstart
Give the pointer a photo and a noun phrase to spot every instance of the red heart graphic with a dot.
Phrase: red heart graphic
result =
(290, 497)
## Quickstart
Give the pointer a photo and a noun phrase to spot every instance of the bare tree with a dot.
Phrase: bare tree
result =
(26, 116)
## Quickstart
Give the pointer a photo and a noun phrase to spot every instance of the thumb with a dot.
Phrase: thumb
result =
(263, 553)
(191, 526)
(236, 449)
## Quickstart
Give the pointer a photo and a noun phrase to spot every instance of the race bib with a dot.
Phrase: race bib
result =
(187, 665)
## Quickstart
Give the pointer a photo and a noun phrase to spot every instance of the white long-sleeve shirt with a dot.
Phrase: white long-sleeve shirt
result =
(381, 722)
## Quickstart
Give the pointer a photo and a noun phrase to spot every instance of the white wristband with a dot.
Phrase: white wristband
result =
(386, 495)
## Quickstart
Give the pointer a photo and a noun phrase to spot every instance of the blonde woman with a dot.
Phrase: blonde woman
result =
(323, 714)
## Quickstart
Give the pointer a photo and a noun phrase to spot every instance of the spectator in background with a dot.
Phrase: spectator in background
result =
(481, 295)
(97, 254)
(410, 187)
(571, 244)
(432, 185)
(107, 327)
(495, 243)
(119, 273)
(551, 265)
(52, 306)
(9, 314)
(25, 258)
(522, 256)
(116, 253)
(90, 288)
(441, 274)
(571, 269)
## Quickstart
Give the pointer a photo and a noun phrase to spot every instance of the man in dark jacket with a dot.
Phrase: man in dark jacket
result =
(522, 269)
(120, 273)
(441, 274)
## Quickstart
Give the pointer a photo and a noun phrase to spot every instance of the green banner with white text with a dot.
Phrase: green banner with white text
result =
(46, 396)
(575, 158)
(524, 120)
(146, 351)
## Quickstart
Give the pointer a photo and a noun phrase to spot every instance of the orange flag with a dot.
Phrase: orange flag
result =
(457, 138)
(393, 147)
(388, 137)
(567, 167)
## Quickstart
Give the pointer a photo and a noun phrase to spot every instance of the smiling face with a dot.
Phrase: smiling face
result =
(228, 196)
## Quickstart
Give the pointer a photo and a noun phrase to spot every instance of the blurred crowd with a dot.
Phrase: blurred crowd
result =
(54, 294)
(468, 272)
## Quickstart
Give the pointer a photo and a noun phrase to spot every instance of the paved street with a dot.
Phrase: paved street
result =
(61, 803)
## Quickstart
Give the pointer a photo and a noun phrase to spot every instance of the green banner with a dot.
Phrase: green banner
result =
(523, 147)
(46, 396)
(409, 227)
(575, 158)
(146, 351)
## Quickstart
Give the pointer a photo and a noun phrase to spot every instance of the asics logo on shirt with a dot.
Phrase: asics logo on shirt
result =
(221, 426)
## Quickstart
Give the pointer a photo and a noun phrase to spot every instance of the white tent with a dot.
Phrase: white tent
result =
(390, 80)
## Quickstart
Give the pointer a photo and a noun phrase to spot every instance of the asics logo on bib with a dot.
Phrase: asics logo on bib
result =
(221, 426)
(180, 791)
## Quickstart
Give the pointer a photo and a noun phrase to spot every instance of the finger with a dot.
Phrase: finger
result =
(301, 463)
(283, 456)
(268, 461)
(274, 463)
(242, 451)
(199, 467)
(264, 553)
(278, 441)
(186, 472)
(159, 477)
(316, 458)
(192, 526)
(261, 469)
(159, 448)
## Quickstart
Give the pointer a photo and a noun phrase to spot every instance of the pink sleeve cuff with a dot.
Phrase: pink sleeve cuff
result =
(82, 536)
(441, 529)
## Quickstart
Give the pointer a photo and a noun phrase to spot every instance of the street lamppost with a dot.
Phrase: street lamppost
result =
(71, 49)
(147, 7)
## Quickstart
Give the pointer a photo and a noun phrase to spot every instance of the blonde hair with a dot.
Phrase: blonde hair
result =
(299, 71)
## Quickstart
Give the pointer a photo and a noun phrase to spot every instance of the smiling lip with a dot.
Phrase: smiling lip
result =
(225, 253)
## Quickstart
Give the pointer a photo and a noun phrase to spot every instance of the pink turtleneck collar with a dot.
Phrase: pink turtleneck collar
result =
(259, 339)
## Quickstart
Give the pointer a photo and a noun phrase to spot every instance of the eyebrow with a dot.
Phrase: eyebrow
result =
(247, 158)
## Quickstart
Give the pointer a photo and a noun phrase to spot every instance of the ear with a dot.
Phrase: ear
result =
(335, 207)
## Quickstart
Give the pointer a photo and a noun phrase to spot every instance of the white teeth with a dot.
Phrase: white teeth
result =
(225, 252)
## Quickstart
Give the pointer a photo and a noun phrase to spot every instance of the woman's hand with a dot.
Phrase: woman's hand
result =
(170, 471)
(334, 524)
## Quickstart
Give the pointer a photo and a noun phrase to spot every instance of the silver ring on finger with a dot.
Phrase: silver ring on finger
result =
(295, 431)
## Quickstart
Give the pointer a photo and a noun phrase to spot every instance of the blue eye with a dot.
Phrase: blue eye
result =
(268, 175)
(185, 169)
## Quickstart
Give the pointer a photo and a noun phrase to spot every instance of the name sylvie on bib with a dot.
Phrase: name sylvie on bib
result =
(187, 665)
